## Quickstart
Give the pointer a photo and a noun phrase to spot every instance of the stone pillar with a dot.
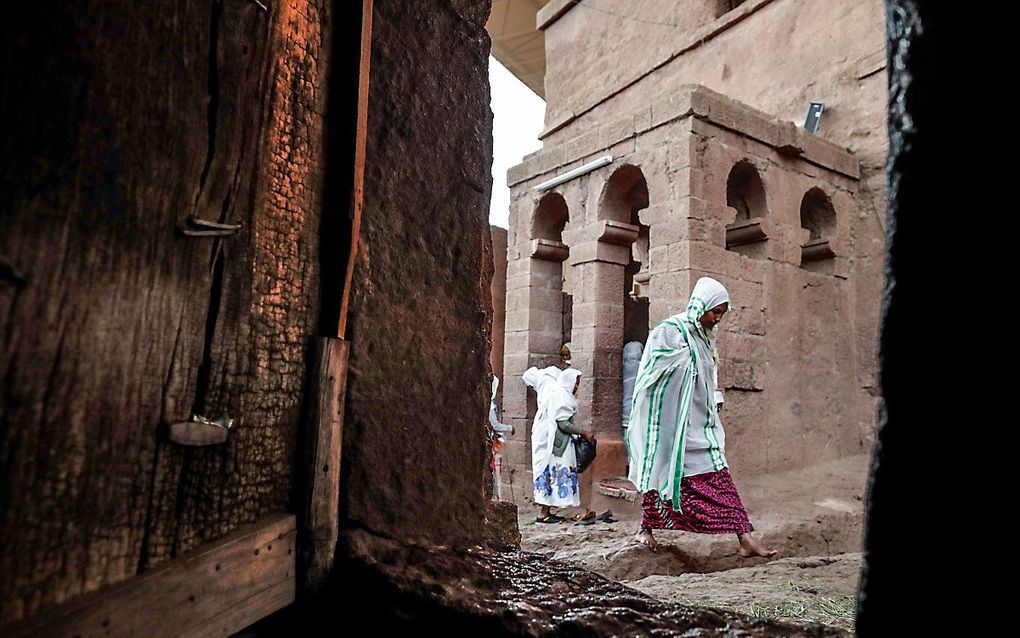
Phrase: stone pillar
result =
(597, 338)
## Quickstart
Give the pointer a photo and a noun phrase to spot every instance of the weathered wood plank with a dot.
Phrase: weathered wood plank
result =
(202, 493)
(324, 435)
(104, 340)
(360, 143)
(216, 590)
(114, 325)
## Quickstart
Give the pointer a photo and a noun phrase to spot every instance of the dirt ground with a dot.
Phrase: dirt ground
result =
(813, 516)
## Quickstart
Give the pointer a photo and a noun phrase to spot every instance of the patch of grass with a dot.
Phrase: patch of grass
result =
(838, 612)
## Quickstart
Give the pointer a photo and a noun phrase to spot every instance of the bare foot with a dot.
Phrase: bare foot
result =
(750, 546)
(645, 538)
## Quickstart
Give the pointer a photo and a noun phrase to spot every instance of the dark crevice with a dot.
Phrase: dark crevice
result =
(214, 90)
(201, 382)
(216, 258)
(143, 552)
(340, 141)
(216, 264)
(212, 314)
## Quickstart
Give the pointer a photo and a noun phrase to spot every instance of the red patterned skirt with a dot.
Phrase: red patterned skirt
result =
(709, 504)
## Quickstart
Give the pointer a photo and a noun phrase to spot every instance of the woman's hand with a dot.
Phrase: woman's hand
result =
(588, 435)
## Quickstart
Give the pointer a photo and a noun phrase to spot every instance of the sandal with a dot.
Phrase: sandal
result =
(607, 517)
(587, 519)
(552, 518)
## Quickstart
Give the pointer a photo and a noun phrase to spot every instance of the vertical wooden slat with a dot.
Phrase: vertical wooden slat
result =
(322, 462)
(357, 192)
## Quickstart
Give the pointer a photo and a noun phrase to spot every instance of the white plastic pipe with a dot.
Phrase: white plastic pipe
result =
(577, 172)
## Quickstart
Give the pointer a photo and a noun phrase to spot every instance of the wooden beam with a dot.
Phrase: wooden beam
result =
(324, 434)
(216, 590)
(361, 140)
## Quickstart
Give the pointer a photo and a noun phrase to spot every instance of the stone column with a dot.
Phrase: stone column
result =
(597, 338)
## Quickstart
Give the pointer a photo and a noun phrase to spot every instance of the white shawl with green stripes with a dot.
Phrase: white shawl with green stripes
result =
(674, 392)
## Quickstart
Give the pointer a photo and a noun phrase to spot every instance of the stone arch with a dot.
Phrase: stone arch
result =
(818, 217)
(745, 193)
(624, 195)
(550, 218)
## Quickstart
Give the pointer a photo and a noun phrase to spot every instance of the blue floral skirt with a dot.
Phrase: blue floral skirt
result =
(557, 485)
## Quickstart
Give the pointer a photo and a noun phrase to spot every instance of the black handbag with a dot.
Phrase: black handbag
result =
(584, 450)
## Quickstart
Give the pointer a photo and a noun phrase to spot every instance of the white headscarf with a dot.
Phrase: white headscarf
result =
(568, 377)
(536, 378)
(708, 293)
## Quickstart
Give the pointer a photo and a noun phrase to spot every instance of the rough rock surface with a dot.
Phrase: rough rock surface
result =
(478, 592)
(417, 398)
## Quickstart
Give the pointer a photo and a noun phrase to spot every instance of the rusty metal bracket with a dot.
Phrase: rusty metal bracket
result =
(199, 430)
(211, 225)
(197, 227)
